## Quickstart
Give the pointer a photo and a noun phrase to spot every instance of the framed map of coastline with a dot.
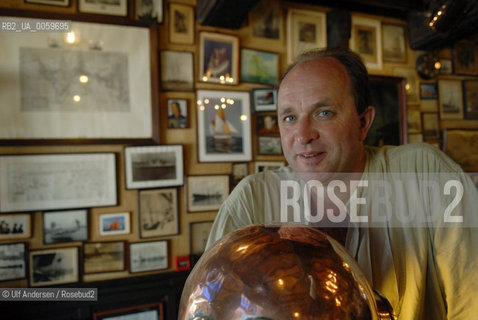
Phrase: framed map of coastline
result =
(82, 85)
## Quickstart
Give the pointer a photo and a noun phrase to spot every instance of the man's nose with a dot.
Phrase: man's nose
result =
(306, 132)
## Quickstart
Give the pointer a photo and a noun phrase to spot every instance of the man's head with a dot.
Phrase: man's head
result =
(175, 109)
(324, 113)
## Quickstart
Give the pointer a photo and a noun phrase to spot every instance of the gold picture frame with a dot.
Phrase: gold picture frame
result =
(365, 40)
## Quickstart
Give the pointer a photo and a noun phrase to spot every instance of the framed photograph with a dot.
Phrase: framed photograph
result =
(457, 145)
(148, 256)
(177, 113)
(238, 172)
(446, 66)
(365, 40)
(450, 99)
(471, 99)
(116, 8)
(394, 43)
(181, 23)
(59, 3)
(259, 66)
(465, 57)
(428, 91)
(149, 10)
(103, 257)
(269, 145)
(13, 261)
(198, 235)
(65, 226)
(264, 100)
(414, 121)
(57, 181)
(431, 125)
(144, 312)
(267, 125)
(114, 223)
(88, 87)
(206, 193)
(224, 126)
(260, 166)
(154, 166)
(15, 226)
(158, 212)
(177, 70)
(54, 266)
(265, 22)
(218, 58)
(411, 82)
(305, 30)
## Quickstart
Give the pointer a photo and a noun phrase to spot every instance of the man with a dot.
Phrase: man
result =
(409, 209)
(176, 119)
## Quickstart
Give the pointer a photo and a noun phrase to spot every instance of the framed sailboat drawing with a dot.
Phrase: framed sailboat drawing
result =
(224, 126)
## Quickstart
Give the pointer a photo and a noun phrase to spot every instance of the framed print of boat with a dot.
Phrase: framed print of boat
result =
(65, 226)
(450, 99)
(207, 193)
(158, 212)
(224, 126)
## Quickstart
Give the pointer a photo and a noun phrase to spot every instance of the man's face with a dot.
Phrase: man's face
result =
(321, 131)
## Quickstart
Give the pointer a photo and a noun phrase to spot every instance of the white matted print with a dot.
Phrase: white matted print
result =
(365, 40)
(65, 226)
(207, 193)
(117, 7)
(148, 256)
(158, 212)
(15, 226)
(114, 223)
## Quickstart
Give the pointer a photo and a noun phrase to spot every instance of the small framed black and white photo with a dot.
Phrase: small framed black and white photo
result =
(206, 193)
(13, 262)
(104, 257)
(65, 226)
(15, 226)
(54, 266)
(158, 212)
(148, 256)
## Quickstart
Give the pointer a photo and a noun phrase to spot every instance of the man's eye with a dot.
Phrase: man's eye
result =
(325, 113)
(289, 118)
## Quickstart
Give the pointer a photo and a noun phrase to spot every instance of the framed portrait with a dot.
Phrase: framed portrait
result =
(428, 91)
(365, 40)
(13, 261)
(65, 226)
(471, 99)
(114, 223)
(431, 125)
(181, 23)
(264, 100)
(414, 120)
(450, 99)
(411, 82)
(446, 66)
(149, 10)
(259, 66)
(198, 235)
(54, 266)
(305, 30)
(177, 72)
(457, 145)
(238, 172)
(82, 88)
(178, 113)
(59, 3)
(465, 57)
(224, 126)
(116, 8)
(269, 145)
(158, 212)
(103, 257)
(218, 58)
(266, 22)
(267, 125)
(152, 311)
(15, 226)
(148, 256)
(394, 43)
(57, 181)
(206, 193)
(260, 166)
(154, 166)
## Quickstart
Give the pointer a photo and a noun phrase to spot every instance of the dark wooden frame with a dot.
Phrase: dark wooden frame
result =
(105, 315)
(25, 260)
(108, 270)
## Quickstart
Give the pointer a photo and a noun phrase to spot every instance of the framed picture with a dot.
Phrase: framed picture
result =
(411, 82)
(428, 91)
(181, 23)
(394, 43)
(158, 212)
(60, 3)
(465, 57)
(15, 226)
(154, 166)
(269, 145)
(13, 261)
(431, 126)
(148, 256)
(259, 66)
(65, 226)
(218, 58)
(415, 137)
(207, 193)
(305, 30)
(177, 70)
(144, 312)
(198, 235)
(238, 172)
(414, 120)
(446, 66)
(177, 113)
(450, 99)
(265, 22)
(224, 126)
(260, 166)
(54, 266)
(264, 100)
(62, 88)
(117, 8)
(365, 40)
(57, 181)
(457, 145)
(267, 125)
(471, 99)
(114, 223)
(103, 257)
(149, 10)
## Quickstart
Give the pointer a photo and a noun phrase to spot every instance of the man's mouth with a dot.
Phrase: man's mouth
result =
(311, 155)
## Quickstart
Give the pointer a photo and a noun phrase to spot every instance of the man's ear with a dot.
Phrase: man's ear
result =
(366, 119)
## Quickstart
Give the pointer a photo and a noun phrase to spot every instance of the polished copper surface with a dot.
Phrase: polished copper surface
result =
(285, 273)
